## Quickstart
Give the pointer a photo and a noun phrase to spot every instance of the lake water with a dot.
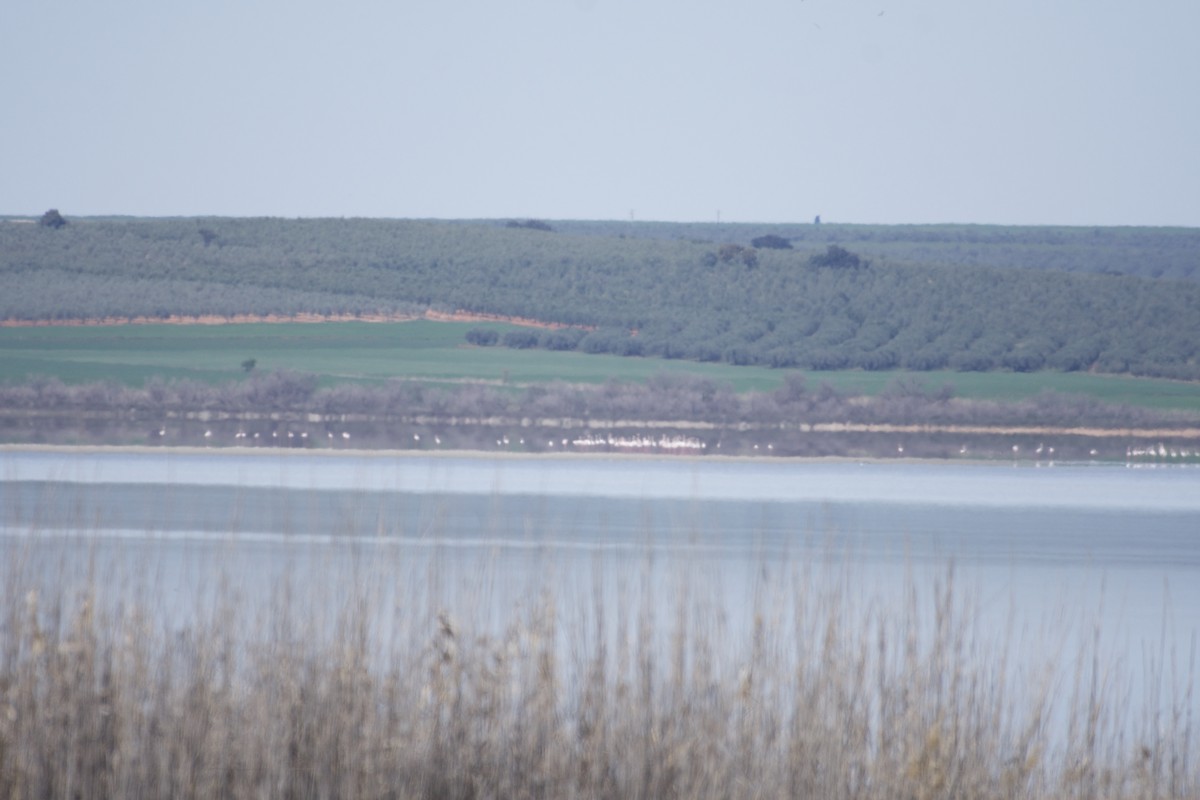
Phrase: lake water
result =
(1057, 552)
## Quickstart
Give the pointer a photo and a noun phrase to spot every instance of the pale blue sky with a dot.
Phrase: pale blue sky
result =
(892, 111)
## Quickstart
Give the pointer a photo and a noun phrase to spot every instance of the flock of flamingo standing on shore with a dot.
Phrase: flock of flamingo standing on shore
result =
(1157, 452)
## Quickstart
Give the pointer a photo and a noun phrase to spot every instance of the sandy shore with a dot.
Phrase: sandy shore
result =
(365, 453)
(292, 452)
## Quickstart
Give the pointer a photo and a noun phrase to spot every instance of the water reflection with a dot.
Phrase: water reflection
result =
(1047, 557)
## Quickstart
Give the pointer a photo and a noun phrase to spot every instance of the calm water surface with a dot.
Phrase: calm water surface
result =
(1060, 551)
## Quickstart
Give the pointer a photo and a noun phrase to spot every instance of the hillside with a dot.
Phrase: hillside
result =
(1172, 253)
(874, 297)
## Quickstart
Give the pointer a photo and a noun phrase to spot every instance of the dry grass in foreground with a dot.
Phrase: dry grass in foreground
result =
(812, 702)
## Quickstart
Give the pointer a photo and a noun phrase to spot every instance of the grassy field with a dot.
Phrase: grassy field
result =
(436, 352)
(420, 350)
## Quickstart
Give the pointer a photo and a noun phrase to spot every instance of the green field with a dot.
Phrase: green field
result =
(437, 352)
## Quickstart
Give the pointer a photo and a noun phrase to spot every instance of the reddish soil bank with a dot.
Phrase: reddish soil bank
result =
(176, 319)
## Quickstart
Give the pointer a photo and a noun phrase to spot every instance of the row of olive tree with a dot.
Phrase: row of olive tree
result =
(812, 307)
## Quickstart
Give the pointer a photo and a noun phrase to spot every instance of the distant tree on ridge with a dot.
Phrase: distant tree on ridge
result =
(52, 219)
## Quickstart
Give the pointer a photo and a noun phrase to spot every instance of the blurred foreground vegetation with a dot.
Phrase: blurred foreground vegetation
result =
(369, 695)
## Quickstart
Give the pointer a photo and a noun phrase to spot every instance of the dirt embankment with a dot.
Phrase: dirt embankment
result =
(470, 316)
(234, 319)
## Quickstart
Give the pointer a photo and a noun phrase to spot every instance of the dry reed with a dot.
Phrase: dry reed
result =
(828, 694)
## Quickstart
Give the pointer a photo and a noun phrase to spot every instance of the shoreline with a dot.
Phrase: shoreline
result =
(292, 452)
(141, 449)
(1184, 432)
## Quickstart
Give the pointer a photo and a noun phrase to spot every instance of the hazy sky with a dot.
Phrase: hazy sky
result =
(1080, 112)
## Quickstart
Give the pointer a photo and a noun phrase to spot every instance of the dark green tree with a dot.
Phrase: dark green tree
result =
(530, 224)
(838, 257)
(52, 219)
(521, 340)
(771, 242)
(483, 337)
